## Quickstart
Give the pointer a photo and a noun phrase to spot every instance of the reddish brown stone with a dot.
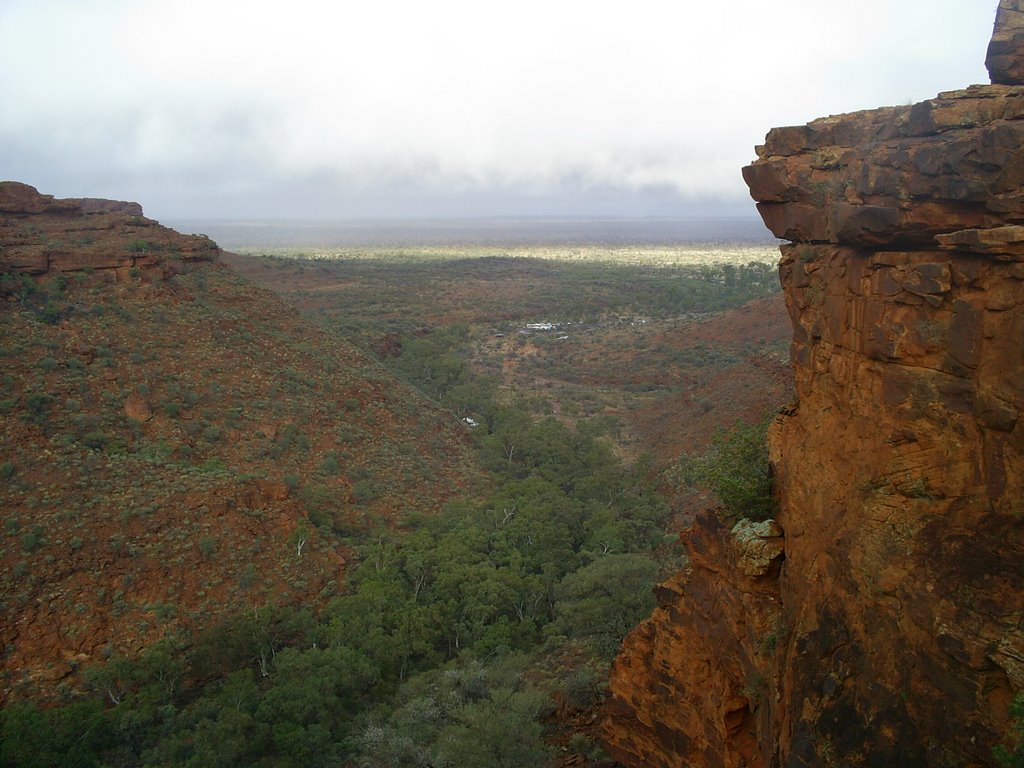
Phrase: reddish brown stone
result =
(1005, 59)
(41, 235)
(136, 407)
(892, 634)
(898, 176)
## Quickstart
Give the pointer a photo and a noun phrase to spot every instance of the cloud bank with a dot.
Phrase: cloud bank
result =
(335, 109)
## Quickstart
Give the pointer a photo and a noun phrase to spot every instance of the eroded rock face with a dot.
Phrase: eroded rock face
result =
(898, 629)
(689, 679)
(41, 235)
(1005, 60)
(900, 480)
(899, 176)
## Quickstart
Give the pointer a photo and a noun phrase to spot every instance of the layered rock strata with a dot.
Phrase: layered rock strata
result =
(40, 234)
(687, 683)
(893, 632)
(1005, 59)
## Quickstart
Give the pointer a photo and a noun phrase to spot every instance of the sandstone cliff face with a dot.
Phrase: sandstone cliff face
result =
(688, 681)
(894, 631)
(40, 234)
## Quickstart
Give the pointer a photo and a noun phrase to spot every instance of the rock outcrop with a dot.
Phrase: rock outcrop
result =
(893, 633)
(688, 681)
(42, 235)
(1005, 60)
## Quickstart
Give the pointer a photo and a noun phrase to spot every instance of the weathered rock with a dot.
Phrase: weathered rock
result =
(1008, 241)
(900, 477)
(759, 545)
(1005, 60)
(16, 197)
(689, 681)
(40, 235)
(136, 407)
(898, 613)
(899, 176)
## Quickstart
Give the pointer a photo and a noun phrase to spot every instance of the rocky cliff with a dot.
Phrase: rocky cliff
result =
(40, 234)
(889, 628)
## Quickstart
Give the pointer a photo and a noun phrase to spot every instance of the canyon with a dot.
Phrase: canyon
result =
(178, 447)
(879, 619)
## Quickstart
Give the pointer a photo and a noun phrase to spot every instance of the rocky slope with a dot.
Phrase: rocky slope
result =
(177, 445)
(885, 626)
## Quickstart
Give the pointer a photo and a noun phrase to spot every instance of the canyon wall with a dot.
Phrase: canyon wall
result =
(40, 234)
(884, 624)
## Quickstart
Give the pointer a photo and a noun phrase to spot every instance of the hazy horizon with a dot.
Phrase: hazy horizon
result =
(483, 231)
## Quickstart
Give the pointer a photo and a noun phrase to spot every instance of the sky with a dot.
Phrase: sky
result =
(259, 109)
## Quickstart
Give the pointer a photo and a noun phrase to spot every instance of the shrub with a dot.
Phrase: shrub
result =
(36, 404)
(33, 539)
(363, 491)
(207, 547)
(330, 464)
(737, 470)
(1003, 756)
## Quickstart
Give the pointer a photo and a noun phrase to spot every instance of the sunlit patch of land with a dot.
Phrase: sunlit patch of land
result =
(685, 254)
(706, 241)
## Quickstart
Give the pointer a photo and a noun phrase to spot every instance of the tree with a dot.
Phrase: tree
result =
(68, 737)
(737, 470)
(603, 601)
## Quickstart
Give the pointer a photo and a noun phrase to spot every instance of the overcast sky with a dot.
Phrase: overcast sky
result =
(211, 108)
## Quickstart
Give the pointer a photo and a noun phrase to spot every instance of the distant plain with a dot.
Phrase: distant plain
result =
(649, 241)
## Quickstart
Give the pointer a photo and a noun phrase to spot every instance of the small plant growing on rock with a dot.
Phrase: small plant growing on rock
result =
(1004, 756)
(737, 470)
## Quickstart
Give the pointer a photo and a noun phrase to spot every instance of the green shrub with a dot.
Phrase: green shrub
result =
(737, 470)
(1004, 756)
(207, 547)
(33, 539)
(330, 464)
(363, 491)
(36, 405)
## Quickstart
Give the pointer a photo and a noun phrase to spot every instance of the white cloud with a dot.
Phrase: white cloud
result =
(447, 97)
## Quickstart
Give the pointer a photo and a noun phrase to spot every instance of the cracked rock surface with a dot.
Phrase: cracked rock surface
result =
(892, 630)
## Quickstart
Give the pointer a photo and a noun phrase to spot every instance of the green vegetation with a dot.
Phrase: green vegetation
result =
(737, 470)
(1015, 758)
(456, 625)
(427, 652)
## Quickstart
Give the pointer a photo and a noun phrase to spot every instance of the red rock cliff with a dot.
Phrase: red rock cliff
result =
(891, 630)
(40, 234)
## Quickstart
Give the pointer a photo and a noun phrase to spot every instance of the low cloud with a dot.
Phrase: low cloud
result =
(215, 107)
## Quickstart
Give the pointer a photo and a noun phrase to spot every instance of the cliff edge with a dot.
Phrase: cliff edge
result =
(41, 235)
(887, 627)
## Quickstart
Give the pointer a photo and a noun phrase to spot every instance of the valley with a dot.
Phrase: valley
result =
(361, 486)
